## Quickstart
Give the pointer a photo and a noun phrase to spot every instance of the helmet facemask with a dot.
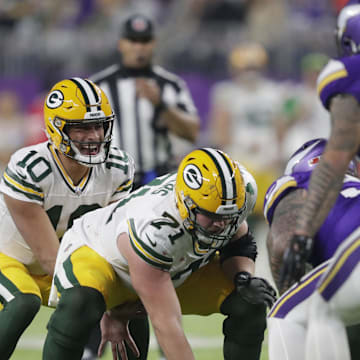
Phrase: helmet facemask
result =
(79, 102)
(75, 149)
(348, 30)
(210, 196)
(209, 239)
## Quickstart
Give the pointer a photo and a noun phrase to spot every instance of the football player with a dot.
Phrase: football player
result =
(339, 90)
(160, 245)
(288, 318)
(338, 87)
(48, 185)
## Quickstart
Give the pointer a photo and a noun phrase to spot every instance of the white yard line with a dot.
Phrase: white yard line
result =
(195, 342)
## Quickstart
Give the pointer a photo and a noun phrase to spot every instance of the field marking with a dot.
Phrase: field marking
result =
(33, 343)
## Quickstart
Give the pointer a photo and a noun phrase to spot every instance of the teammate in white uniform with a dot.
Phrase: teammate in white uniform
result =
(44, 188)
(149, 244)
(244, 128)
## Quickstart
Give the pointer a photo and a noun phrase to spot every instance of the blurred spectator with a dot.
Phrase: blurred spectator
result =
(12, 126)
(305, 117)
(13, 11)
(245, 116)
(35, 129)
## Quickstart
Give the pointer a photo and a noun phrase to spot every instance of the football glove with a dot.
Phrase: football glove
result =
(254, 290)
(294, 260)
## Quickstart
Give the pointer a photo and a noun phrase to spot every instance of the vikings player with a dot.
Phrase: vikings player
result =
(287, 319)
(339, 90)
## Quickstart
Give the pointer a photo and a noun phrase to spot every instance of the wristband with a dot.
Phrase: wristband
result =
(242, 278)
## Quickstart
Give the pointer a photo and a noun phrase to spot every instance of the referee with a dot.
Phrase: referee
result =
(149, 102)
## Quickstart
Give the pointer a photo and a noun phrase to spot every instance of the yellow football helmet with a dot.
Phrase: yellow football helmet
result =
(210, 183)
(248, 56)
(78, 101)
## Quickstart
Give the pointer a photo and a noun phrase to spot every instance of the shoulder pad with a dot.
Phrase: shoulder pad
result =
(275, 193)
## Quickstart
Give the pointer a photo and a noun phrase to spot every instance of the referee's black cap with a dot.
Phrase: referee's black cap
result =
(139, 28)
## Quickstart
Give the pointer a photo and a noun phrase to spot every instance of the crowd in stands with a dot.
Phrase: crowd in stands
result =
(44, 42)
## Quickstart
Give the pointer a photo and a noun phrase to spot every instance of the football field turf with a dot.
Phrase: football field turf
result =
(204, 334)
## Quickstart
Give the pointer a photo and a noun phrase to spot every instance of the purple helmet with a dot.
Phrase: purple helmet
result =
(307, 157)
(348, 29)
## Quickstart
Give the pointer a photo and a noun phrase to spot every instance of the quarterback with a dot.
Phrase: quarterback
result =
(44, 188)
(160, 245)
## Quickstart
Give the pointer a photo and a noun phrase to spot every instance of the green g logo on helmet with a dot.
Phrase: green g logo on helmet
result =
(78, 101)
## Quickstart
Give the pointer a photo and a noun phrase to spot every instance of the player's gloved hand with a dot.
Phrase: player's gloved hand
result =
(294, 260)
(254, 290)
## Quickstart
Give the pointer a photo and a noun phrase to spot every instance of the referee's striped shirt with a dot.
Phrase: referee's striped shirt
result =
(136, 129)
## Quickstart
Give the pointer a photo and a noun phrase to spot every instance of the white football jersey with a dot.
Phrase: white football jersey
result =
(35, 174)
(252, 120)
(151, 219)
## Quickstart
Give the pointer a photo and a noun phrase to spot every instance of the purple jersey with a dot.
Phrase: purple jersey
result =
(339, 77)
(341, 221)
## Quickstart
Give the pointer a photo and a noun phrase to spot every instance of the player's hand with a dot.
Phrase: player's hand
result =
(117, 332)
(115, 328)
(254, 290)
(294, 260)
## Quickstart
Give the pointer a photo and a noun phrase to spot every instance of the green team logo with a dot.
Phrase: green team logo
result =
(55, 99)
(192, 176)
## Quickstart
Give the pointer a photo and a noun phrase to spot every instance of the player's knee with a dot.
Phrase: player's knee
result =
(81, 300)
(245, 322)
(79, 309)
(19, 312)
(24, 306)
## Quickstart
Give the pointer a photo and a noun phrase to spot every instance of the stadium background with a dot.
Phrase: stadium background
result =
(44, 42)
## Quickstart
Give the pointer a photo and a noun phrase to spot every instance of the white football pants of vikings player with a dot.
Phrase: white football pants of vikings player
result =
(308, 321)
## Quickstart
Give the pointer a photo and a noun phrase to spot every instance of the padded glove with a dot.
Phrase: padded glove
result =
(294, 260)
(254, 290)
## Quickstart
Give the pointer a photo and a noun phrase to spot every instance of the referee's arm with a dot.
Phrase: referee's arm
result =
(181, 123)
(184, 122)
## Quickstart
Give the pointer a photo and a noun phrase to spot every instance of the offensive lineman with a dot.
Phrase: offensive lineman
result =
(159, 244)
(287, 320)
(44, 188)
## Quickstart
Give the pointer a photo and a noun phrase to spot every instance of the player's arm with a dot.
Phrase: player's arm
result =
(35, 227)
(281, 230)
(157, 293)
(238, 263)
(325, 185)
(220, 126)
(181, 123)
(232, 256)
(327, 178)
